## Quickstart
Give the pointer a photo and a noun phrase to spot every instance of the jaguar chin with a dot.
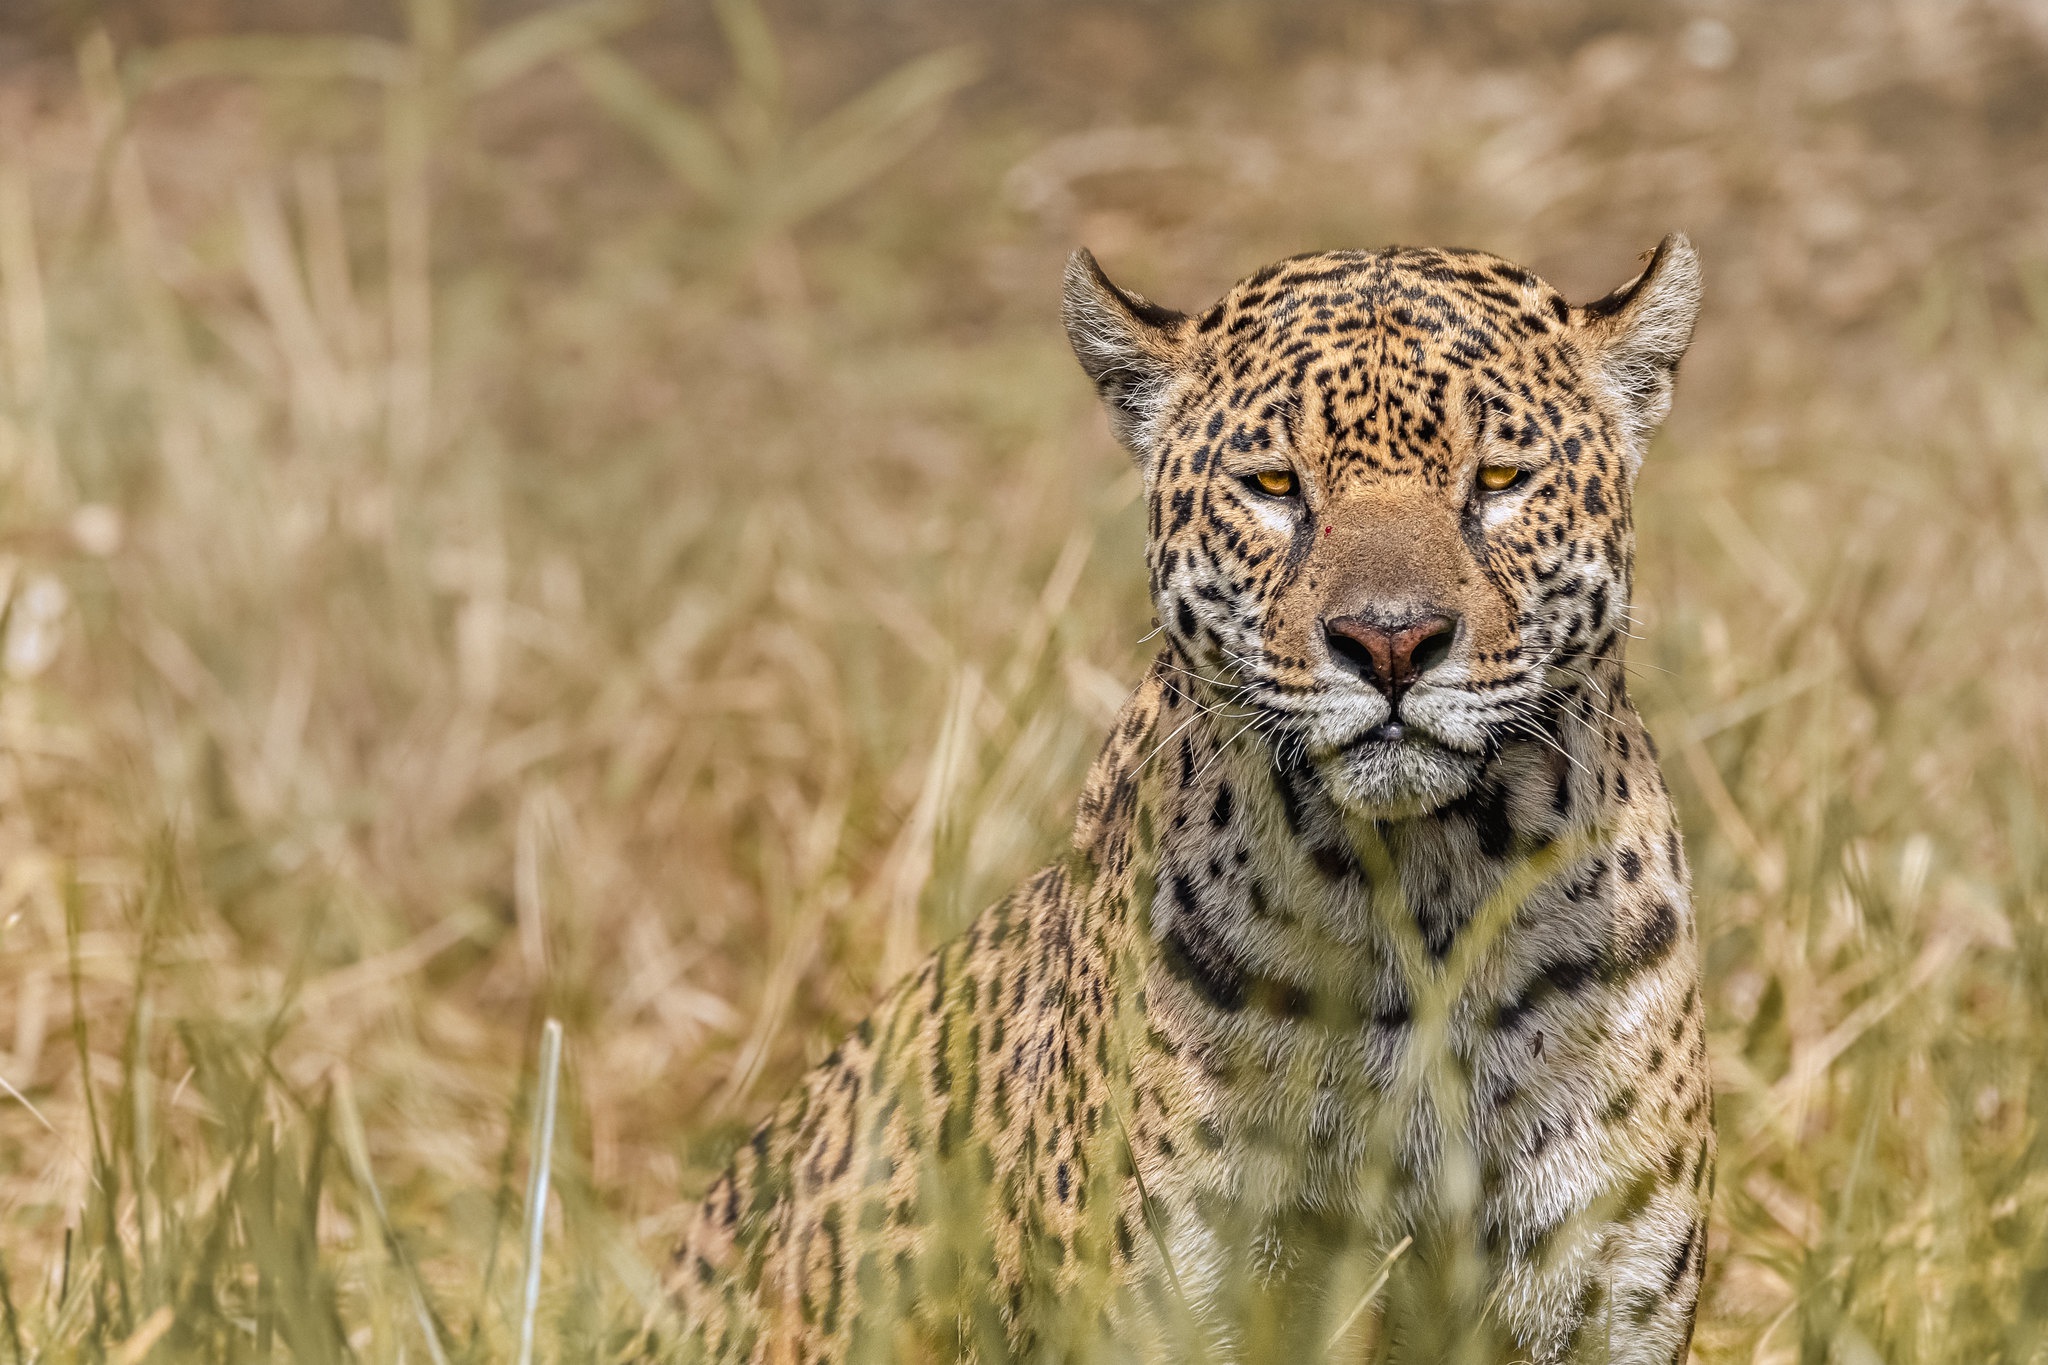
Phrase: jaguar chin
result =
(1387, 777)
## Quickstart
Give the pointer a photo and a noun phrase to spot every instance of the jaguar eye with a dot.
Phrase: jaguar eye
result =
(1497, 478)
(1277, 483)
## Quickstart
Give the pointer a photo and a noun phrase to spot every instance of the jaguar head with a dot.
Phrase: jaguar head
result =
(1389, 495)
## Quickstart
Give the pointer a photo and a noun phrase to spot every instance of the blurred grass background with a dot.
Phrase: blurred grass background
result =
(513, 510)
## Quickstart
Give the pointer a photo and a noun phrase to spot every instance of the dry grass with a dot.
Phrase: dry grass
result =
(492, 531)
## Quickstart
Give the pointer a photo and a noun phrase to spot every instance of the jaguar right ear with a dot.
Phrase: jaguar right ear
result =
(1129, 346)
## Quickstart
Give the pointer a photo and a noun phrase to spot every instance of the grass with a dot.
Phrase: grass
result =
(588, 516)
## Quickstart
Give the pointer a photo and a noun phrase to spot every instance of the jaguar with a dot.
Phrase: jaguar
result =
(1360, 1019)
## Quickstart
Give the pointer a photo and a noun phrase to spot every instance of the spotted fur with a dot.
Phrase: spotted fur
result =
(1336, 957)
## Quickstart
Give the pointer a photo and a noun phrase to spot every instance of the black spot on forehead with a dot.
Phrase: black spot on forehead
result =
(1426, 289)
(1374, 342)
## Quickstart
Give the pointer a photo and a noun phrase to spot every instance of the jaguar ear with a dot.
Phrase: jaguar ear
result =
(1128, 345)
(1640, 333)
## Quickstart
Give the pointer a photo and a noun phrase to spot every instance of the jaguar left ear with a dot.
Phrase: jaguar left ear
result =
(1128, 345)
(1640, 333)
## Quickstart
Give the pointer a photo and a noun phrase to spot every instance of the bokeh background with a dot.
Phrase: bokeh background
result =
(514, 509)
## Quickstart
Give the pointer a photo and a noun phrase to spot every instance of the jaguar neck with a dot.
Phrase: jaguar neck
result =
(1266, 890)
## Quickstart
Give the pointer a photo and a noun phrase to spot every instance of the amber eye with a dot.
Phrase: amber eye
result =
(1278, 482)
(1496, 477)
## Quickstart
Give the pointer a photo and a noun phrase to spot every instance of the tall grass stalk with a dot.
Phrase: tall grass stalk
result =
(542, 1150)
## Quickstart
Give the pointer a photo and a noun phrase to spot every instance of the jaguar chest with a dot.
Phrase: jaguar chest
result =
(1328, 1003)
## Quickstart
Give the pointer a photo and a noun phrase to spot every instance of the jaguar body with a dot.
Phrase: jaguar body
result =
(1361, 1017)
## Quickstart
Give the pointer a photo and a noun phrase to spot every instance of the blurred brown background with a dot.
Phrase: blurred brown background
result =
(584, 509)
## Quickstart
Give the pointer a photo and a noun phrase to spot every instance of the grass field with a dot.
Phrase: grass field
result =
(584, 511)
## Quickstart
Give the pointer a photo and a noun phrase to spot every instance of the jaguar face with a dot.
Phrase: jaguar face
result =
(1389, 495)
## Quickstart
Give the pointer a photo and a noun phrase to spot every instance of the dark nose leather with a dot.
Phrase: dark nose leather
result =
(1390, 655)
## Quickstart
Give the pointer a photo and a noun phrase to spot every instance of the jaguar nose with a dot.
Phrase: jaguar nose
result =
(1390, 655)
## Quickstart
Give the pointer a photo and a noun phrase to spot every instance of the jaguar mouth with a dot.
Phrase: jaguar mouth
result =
(1398, 733)
(1355, 726)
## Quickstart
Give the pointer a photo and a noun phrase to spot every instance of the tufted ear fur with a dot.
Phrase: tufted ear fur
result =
(1128, 345)
(1640, 332)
